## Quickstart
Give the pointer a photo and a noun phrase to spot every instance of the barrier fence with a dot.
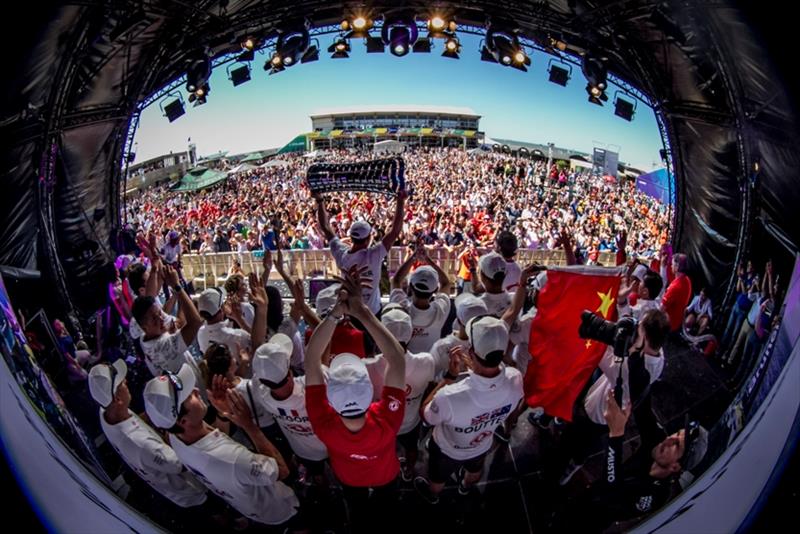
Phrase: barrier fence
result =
(211, 270)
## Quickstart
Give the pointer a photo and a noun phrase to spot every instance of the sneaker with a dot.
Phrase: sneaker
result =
(540, 421)
(406, 470)
(423, 487)
(569, 472)
(463, 489)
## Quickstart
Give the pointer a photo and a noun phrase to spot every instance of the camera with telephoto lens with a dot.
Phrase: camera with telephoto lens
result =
(619, 335)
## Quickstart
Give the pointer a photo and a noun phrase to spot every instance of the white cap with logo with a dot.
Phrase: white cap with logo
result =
(104, 379)
(211, 300)
(398, 322)
(488, 335)
(360, 230)
(349, 386)
(327, 297)
(492, 264)
(639, 271)
(425, 279)
(271, 360)
(469, 306)
(164, 395)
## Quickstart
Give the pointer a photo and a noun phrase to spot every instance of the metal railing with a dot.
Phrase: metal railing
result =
(210, 270)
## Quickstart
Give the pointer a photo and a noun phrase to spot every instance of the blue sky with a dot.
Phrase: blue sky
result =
(269, 111)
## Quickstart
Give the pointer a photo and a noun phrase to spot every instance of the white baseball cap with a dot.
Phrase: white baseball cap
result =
(327, 297)
(488, 335)
(349, 386)
(492, 264)
(469, 306)
(271, 360)
(360, 230)
(639, 271)
(164, 395)
(210, 300)
(425, 279)
(104, 379)
(398, 322)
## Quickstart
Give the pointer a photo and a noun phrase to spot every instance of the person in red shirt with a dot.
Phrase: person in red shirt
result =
(678, 294)
(360, 434)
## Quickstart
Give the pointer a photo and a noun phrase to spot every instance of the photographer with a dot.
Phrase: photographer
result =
(632, 361)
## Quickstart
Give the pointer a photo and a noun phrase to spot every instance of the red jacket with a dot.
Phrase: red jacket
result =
(675, 300)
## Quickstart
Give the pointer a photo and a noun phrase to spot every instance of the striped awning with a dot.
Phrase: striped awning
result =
(335, 133)
(426, 131)
(381, 131)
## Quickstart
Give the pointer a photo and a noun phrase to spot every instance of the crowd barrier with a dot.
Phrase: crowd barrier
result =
(212, 269)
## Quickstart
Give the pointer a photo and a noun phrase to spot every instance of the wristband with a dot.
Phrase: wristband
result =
(178, 288)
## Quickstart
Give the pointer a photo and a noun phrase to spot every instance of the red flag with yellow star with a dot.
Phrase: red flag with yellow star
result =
(562, 362)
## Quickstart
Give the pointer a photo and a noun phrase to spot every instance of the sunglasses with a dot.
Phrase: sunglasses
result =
(177, 385)
(113, 371)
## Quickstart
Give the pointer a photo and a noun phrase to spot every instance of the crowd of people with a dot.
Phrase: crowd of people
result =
(457, 198)
(257, 410)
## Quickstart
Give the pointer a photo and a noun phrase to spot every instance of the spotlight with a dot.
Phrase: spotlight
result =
(596, 73)
(439, 26)
(294, 46)
(247, 55)
(274, 64)
(359, 27)
(199, 95)
(239, 75)
(173, 109)
(504, 48)
(198, 72)
(400, 34)
(624, 109)
(436, 24)
(451, 48)
(249, 44)
(560, 75)
(339, 49)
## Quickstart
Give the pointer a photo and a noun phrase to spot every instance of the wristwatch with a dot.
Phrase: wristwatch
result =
(178, 288)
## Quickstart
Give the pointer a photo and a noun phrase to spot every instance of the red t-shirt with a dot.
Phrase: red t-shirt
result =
(366, 458)
(675, 300)
(345, 338)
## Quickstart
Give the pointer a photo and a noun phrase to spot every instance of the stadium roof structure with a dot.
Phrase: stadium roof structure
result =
(398, 108)
(537, 148)
(199, 178)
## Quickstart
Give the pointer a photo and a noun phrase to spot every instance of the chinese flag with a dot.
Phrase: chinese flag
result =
(562, 362)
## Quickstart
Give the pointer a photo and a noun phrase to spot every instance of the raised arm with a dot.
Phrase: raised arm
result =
(241, 415)
(319, 342)
(397, 223)
(445, 284)
(511, 314)
(402, 271)
(322, 217)
(193, 319)
(259, 299)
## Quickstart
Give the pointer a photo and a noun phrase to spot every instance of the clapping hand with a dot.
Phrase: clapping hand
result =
(350, 292)
(258, 295)
(218, 394)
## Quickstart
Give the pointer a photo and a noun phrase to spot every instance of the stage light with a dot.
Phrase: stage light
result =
(375, 45)
(596, 73)
(451, 48)
(200, 94)
(437, 24)
(503, 47)
(559, 75)
(359, 27)
(238, 75)
(173, 109)
(625, 109)
(339, 49)
(359, 23)
(293, 46)
(400, 34)
(198, 71)
(422, 46)
(249, 44)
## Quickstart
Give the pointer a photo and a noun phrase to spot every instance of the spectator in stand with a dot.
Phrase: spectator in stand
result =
(467, 260)
(699, 307)
(360, 434)
(429, 302)
(747, 288)
(679, 292)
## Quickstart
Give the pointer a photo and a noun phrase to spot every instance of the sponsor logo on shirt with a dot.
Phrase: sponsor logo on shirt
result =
(644, 503)
(480, 437)
(610, 466)
(362, 457)
(419, 332)
(292, 416)
(493, 418)
(394, 404)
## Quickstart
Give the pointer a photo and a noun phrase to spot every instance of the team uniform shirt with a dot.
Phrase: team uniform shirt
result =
(638, 310)
(167, 352)
(427, 324)
(513, 274)
(246, 480)
(372, 258)
(420, 371)
(441, 353)
(153, 460)
(223, 333)
(497, 303)
(597, 397)
(136, 331)
(366, 458)
(292, 416)
(466, 413)
(249, 391)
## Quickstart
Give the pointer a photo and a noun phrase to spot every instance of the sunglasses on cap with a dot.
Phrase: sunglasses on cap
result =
(113, 372)
(177, 385)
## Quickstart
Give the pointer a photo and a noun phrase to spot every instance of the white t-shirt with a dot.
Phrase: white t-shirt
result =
(466, 413)
(497, 303)
(248, 313)
(153, 460)
(292, 417)
(246, 480)
(223, 333)
(596, 398)
(261, 415)
(420, 371)
(700, 309)
(166, 352)
(372, 258)
(441, 353)
(520, 334)
(289, 328)
(513, 274)
(637, 311)
(427, 324)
